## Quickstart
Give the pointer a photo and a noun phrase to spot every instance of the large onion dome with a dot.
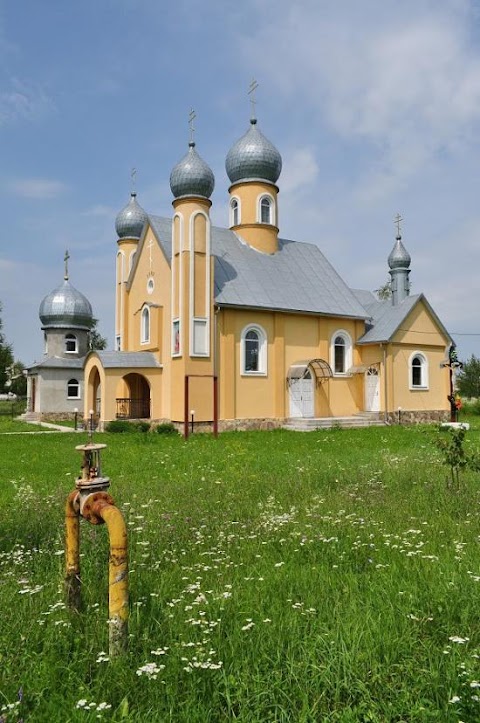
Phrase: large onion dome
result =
(192, 176)
(131, 219)
(399, 257)
(253, 157)
(65, 307)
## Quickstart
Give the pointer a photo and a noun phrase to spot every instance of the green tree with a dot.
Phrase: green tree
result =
(468, 379)
(18, 379)
(384, 292)
(97, 341)
(6, 356)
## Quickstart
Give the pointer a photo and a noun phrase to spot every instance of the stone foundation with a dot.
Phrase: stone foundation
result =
(406, 416)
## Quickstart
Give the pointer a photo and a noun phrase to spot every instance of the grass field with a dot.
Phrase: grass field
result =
(328, 576)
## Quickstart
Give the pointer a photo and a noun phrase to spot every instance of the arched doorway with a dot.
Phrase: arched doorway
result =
(136, 402)
(94, 391)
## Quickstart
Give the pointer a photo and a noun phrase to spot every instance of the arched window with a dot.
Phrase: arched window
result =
(234, 212)
(418, 372)
(341, 352)
(73, 389)
(70, 343)
(145, 325)
(253, 350)
(265, 210)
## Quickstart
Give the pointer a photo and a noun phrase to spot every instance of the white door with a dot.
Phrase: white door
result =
(372, 390)
(302, 397)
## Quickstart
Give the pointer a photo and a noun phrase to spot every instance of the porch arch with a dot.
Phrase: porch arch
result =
(133, 397)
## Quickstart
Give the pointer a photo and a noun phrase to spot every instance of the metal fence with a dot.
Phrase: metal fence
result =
(128, 408)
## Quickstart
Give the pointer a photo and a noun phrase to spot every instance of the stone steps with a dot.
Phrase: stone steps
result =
(362, 419)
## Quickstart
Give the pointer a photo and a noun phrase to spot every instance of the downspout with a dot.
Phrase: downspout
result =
(385, 383)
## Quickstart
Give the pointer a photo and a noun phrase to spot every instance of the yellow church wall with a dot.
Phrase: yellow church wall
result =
(263, 237)
(434, 396)
(290, 338)
(420, 327)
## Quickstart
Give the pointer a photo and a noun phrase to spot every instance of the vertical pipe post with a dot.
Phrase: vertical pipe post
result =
(72, 551)
(185, 409)
(215, 406)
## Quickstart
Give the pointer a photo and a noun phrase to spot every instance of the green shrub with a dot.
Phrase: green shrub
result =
(166, 428)
(120, 426)
(142, 426)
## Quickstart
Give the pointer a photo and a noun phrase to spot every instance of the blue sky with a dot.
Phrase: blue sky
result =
(374, 106)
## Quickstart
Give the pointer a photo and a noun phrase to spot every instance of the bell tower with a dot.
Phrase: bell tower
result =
(192, 183)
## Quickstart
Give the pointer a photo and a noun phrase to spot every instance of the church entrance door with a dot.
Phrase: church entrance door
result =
(302, 396)
(372, 390)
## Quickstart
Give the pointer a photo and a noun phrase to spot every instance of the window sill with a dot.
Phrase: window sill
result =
(419, 389)
(253, 374)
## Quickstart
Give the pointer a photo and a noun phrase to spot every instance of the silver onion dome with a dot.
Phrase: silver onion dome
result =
(131, 219)
(192, 176)
(399, 257)
(253, 157)
(65, 307)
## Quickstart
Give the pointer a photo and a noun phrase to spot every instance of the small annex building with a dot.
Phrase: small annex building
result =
(255, 326)
(55, 383)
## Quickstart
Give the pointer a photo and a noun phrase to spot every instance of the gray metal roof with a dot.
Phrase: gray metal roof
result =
(192, 176)
(130, 220)
(386, 319)
(65, 307)
(253, 157)
(296, 278)
(399, 257)
(56, 362)
(132, 359)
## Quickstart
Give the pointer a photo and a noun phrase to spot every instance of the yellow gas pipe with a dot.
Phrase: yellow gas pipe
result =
(91, 502)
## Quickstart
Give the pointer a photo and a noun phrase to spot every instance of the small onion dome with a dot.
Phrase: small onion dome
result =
(131, 219)
(65, 307)
(399, 257)
(253, 157)
(192, 176)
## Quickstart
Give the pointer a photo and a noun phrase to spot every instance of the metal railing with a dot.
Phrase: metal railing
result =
(128, 408)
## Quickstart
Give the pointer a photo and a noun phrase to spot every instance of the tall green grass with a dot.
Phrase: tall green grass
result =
(328, 576)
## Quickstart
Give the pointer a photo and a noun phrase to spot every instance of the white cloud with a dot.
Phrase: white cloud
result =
(405, 77)
(299, 169)
(37, 188)
(23, 100)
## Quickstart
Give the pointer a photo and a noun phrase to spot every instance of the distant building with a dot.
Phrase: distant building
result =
(55, 384)
(268, 317)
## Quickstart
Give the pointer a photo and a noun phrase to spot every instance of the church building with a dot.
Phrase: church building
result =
(241, 328)
(55, 384)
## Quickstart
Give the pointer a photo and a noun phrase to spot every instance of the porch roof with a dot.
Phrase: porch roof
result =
(127, 359)
(320, 368)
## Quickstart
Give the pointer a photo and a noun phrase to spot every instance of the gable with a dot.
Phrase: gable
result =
(421, 327)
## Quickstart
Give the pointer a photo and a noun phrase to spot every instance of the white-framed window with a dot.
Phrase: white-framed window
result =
(266, 209)
(176, 346)
(131, 259)
(145, 325)
(234, 212)
(45, 343)
(418, 371)
(253, 350)
(340, 352)
(70, 344)
(199, 337)
(73, 389)
(150, 286)
(118, 343)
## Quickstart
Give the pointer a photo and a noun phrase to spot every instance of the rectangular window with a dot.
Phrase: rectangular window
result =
(200, 345)
(118, 343)
(176, 337)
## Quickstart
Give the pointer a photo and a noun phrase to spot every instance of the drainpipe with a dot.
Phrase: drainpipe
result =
(385, 383)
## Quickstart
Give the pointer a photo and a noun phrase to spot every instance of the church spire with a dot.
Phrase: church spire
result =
(399, 263)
